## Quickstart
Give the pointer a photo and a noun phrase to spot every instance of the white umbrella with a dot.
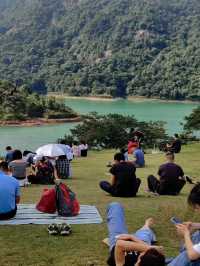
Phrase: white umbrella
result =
(68, 151)
(50, 150)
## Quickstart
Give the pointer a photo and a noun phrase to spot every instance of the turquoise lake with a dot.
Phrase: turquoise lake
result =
(172, 113)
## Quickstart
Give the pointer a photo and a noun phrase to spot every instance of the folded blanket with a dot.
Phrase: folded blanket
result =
(27, 214)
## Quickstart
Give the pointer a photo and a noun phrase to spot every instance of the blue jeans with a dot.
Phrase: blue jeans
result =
(117, 225)
(182, 259)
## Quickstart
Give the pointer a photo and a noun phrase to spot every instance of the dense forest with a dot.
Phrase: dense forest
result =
(19, 103)
(148, 48)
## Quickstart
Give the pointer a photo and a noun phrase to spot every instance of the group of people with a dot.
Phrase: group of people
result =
(28, 167)
(137, 249)
(21, 169)
(140, 248)
(124, 182)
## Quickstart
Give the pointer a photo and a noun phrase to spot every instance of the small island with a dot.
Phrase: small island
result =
(20, 106)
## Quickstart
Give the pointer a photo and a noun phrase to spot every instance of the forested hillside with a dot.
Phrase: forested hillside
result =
(116, 47)
(19, 103)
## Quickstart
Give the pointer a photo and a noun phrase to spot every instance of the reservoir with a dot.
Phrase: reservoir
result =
(172, 113)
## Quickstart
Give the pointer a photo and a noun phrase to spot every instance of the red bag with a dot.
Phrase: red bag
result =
(47, 202)
(132, 146)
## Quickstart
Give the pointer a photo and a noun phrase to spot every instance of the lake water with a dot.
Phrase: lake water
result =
(32, 137)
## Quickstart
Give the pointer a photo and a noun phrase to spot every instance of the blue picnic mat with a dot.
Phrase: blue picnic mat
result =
(27, 214)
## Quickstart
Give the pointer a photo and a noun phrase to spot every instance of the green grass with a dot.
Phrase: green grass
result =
(31, 244)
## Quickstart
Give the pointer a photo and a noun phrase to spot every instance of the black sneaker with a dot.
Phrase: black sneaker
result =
(189, 179)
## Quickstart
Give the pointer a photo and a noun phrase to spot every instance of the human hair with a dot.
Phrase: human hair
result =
(8, 148)
(17, 154)
(176, 135)
(170, 155)
(152, 257)
(26, 152)
(119, 157)
(62, 141)
(62, 157)
(43, 159)
(194, 196)
(123, 150)
(4, 166)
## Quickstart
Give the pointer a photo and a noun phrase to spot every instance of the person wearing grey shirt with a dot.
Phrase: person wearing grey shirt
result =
(18, 166)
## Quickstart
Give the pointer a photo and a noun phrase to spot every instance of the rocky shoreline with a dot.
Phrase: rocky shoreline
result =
(39, 121)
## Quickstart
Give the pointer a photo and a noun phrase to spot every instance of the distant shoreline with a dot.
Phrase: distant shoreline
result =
(130, 98)
(91, 98)
(38, 122)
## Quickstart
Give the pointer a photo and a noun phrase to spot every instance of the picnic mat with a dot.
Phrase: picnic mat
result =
(27, 214)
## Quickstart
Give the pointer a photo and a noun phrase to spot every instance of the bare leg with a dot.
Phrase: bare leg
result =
(149, 223)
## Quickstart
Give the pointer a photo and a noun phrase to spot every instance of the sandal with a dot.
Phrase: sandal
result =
(65, 229)
(53, 229)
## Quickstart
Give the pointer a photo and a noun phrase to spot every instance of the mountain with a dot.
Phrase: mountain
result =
(116, 47)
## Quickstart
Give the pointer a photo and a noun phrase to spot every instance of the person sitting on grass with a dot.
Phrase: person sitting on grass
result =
(138, 154)
(44, 173)
(190, 252)
(9, 193)
(62, 166)
(175, 146)
(171, 178)
(9, 154)
(123, 182)
(131, 249)
(18, 167)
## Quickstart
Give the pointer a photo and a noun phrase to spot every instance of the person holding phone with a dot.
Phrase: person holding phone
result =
(190, 252)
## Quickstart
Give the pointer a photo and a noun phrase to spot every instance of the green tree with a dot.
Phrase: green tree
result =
(193, 120)
(113, 130)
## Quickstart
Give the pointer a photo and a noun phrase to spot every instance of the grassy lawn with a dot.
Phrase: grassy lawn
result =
(31, 244)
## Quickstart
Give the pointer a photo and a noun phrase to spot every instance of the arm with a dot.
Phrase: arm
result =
(192, 226)
(122, 246)
(55, 173)
(192, 254)
(196, 226)
(126, 243)
(130, 238)
(113, 180)
(17, 194)
(17, 199)
(113, 173)
(183, 230)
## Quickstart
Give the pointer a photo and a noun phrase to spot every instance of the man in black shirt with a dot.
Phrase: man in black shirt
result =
(123, 182)
(171, 178)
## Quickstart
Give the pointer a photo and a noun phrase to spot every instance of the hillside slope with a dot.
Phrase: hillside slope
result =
(117, 47)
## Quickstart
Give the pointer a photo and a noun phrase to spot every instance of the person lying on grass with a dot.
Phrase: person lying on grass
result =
(190, 252)
(131, 249)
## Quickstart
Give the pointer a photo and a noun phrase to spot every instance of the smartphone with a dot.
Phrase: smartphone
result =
(175, 220)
